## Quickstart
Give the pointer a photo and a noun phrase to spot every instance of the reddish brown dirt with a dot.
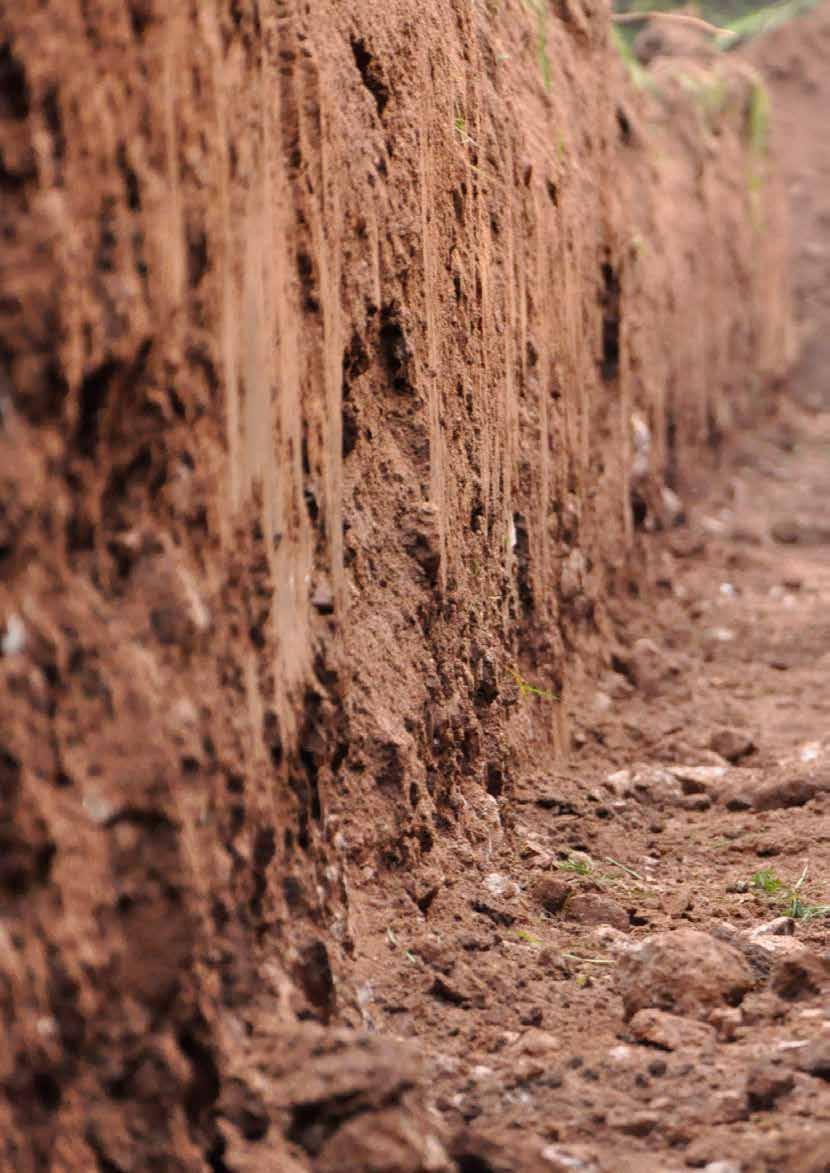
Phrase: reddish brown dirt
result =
(794, 60)
(343, 366)
(515, 995)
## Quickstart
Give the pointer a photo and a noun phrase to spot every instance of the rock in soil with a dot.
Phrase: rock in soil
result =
(592, 908)
(765, 1084)
(814, 1059)
(732, 744)
(760, 793)
(671, 1032)
(683, 972)
(551, 892)
(801, 977)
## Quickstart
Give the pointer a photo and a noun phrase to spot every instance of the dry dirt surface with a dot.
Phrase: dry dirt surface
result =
(379, 685)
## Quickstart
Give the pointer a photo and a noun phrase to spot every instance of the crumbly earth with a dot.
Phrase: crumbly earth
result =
(347, 354)
(519, 973)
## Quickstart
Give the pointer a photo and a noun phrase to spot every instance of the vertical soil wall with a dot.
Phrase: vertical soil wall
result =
(344, 349)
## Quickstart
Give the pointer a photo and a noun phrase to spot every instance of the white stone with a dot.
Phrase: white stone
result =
(13, 640)
(499, 885)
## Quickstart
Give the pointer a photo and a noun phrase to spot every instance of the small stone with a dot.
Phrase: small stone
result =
(651, 785)
(781, 926)
(633, 1123)
(551, 892)
(765, 1084)
(732, 744)
(322, 600)
(697, 779)
(814, 1059)
(753, 791)
(591, 908)
(726, 1020)
(695, 802)
(614, 941)
(682, 972)
(641, 446)
(672, 512)
(602, 702)
(561, 1160)
(499, 885)
(536, 1043)
(13, 640)
(729, 1107)
(791, 792)
(621, 1053)
(799, 977)
(721, 1167)
(719, 635)
(670, 1032)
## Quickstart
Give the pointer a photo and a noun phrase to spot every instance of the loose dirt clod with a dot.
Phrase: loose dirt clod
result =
(682, 972)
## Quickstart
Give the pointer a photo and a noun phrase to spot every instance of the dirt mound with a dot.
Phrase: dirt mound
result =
(345, 354)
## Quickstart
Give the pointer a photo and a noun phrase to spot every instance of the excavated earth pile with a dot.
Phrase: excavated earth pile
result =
(349, 356)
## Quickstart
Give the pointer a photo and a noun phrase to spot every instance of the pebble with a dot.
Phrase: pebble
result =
(696, 779)
(672, 508)
(551, 892)
(726, 1020)
(751, 791)
(810, 752)
(13, 640)
(564, 1160)
(732, 744)
(719, 635)
(498, 885)
(621, 1053)
(614, 941)
(592, 908)
(781, 926)
(633, 1123)
(799, 976)
(814, 1059)
(671, 1032)
(646, 784)
(536, 1042)
(767, 1083)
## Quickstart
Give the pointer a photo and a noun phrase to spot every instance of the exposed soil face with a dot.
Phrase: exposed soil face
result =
(346, 357)
(610, 986)
(793, 62)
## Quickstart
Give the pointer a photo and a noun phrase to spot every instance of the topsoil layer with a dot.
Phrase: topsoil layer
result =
(347, 354)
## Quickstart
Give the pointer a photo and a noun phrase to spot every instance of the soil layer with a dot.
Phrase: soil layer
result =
(352, 359)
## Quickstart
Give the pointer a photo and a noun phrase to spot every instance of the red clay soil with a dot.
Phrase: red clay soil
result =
(352, 359)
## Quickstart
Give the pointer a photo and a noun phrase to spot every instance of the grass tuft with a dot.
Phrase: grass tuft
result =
(788, 897)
